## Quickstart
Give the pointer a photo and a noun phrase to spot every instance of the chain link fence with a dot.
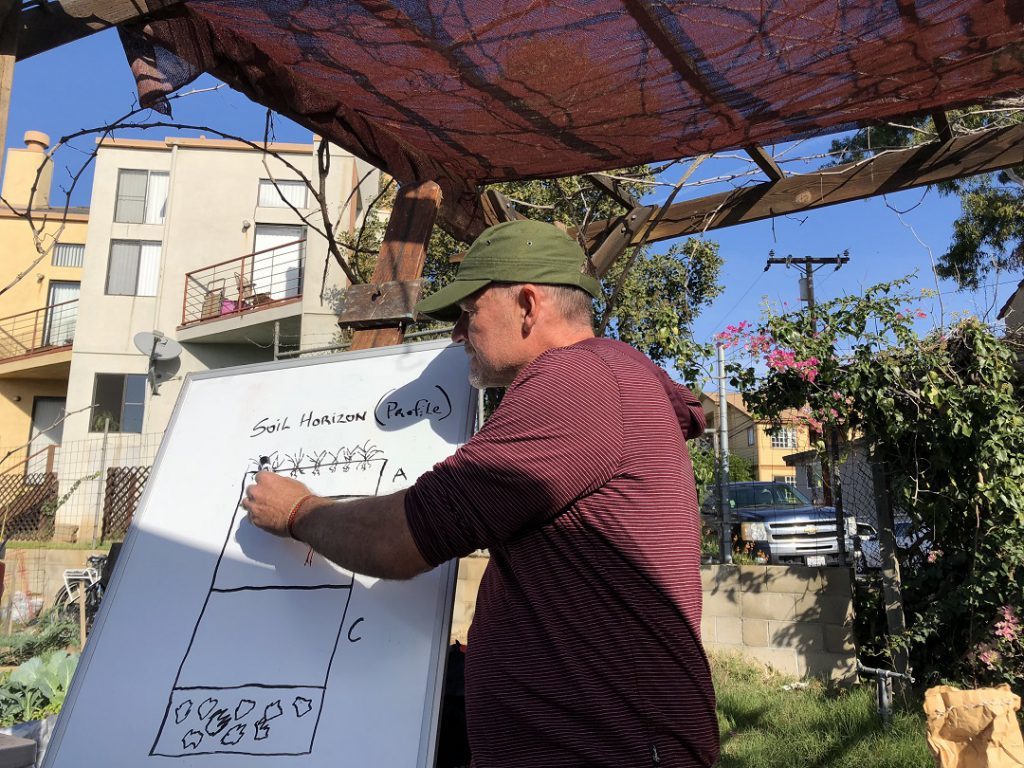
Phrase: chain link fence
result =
(81, 502)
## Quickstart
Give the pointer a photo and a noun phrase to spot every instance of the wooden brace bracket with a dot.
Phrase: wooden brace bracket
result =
(382, 305)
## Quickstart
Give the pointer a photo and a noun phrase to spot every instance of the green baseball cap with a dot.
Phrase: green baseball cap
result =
(522, 251)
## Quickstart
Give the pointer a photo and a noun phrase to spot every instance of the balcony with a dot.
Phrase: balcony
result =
(29, 335)
(239, 287)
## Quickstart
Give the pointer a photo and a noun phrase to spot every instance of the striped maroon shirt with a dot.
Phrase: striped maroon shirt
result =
(585, 648)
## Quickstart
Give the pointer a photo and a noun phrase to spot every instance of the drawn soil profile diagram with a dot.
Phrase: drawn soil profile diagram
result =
(219, 644)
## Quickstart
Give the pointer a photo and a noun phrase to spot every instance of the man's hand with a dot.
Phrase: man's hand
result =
(271, 499)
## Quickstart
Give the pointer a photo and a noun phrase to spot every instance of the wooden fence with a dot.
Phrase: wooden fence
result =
(124, 487)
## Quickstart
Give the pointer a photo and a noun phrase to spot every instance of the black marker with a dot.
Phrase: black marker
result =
(265, 464)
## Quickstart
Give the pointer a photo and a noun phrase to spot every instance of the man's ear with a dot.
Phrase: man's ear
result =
(529, 306)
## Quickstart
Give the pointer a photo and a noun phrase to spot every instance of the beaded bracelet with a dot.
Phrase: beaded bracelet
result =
(294, 511)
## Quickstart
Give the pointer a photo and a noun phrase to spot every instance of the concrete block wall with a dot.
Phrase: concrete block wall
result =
(795, 619)
(32, 577)
(471, 569)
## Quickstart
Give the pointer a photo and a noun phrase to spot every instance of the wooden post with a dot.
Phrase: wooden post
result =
(81, 614)
(891, 587)
(403, 252)
(10, 16)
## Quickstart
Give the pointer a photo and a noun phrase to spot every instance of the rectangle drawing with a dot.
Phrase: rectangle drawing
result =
(298, 602)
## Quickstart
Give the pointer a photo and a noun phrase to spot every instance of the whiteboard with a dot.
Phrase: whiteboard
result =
(219, 644)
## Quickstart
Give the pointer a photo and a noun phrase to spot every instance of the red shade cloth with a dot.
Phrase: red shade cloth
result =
(487, 91)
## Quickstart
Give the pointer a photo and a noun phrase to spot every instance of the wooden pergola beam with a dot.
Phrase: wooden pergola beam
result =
(52, 24)
(8, 45)
(942, 125)
(613, 190)
(497, 208)
(402, 256)
(765, 162)
(888, 172)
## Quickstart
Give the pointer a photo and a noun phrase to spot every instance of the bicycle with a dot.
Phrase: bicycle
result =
(86, 581)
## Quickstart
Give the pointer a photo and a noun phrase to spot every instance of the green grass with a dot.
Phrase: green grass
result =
(762, 725)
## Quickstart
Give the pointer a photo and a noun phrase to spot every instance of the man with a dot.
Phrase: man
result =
(585, 647)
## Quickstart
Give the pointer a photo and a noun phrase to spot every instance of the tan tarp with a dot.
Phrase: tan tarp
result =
(974, 729)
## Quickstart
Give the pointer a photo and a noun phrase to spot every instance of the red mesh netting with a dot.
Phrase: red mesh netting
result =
(482, 91)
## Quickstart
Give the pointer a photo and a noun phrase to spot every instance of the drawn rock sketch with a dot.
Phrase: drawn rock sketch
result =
(252, 680)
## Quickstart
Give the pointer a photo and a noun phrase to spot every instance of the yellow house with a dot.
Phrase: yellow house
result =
(40, 273)
(751, 439)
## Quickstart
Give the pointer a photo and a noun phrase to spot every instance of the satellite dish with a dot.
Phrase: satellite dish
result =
(157, 346)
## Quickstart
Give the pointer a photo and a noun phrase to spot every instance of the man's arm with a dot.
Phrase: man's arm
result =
(369, 536)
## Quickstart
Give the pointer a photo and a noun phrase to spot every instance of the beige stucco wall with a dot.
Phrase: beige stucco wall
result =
(211, 216)
(770, 461)
(16, 399)
(21, 380)
(37, 574)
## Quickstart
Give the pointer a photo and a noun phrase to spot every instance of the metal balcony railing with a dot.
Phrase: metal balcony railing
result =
(39, 330)
(253, 282)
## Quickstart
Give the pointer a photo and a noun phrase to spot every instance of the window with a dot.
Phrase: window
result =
(787, 479)
(119, 401)
(278, 261)
(68, 255)
(141, 197)
(784, 437)
(293, 192)
(751, 436)
(134, 268)
(61, 313)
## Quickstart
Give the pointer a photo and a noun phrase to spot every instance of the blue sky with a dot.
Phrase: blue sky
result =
(88, 84)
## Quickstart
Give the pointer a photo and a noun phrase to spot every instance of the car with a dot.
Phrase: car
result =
(911, 539)
(777, 524)
(869, 552)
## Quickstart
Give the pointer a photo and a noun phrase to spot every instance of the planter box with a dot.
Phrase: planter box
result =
(37, 731)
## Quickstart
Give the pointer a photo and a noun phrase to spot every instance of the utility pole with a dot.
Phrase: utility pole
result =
(725, 535)
(830, 467)
(809, 265)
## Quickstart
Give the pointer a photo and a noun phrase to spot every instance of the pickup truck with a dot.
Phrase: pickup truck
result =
(780, 524)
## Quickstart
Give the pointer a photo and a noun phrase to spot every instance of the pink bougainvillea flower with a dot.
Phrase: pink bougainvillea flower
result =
(990, 658)
(1009, 628)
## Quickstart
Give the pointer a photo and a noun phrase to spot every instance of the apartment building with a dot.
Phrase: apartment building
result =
(202, 242)
(754, 440)
(40, 275)
(194, 239)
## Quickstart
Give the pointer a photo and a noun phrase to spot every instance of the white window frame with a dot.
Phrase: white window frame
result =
(154, 201)
(271, 191)
(784, 437)
(147, 268)
(751, 436)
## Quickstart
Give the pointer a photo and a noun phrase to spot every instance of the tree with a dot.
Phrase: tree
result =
(705, 467)
(988, 236)
(660, 295)
(943, 416)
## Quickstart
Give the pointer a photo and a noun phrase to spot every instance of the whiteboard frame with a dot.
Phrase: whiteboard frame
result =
(429, 727)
